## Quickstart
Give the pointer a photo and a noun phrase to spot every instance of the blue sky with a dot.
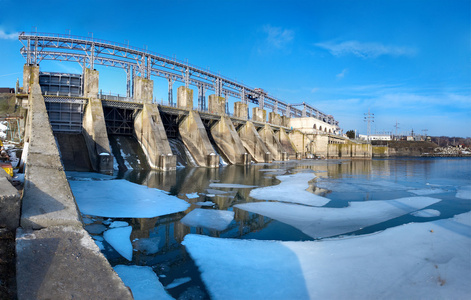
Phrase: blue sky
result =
(406, 61)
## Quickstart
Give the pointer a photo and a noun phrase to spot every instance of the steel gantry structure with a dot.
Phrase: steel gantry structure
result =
(89, 52)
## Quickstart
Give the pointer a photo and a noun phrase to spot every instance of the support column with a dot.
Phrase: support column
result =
(217, 105)
(94, 126)
(143, 89)
(195, 138)
(254, 144)
(170, 91)
(185, 98)
(240, 110)
(150, 133)
(227, 139)
(285, 141)
(274, 118)
(259, 115)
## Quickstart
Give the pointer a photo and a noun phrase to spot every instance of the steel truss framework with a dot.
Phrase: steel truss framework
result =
(89, 52)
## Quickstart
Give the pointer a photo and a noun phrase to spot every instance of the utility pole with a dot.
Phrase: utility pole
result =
(369, 118)
(397, 126)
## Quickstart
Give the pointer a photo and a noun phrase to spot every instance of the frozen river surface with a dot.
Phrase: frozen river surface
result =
(311, 229)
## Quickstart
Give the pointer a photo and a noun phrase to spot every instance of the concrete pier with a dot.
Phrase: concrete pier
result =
(272, 142)
(217, 105)
(143, 89)
(195, 138)
(240, 110)
(150, 133)
(227, 139)
(259, 115)
(274, 118)
(253, 143)
(286, 144)
(185, 98)
(94, 126)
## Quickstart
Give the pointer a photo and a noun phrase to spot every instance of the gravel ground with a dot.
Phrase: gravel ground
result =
(7, 265)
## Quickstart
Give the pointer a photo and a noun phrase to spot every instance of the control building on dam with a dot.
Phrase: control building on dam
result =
(87, 125)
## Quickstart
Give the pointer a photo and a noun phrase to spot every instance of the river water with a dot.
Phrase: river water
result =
(339, 183)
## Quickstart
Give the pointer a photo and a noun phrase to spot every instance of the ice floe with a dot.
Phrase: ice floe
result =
(424, 192)
(291, 189)
(95, 228)
(319, 222)
(123, 199)
(192, 195)
(426, 213)
(349, 185)
(119, 239)
(205, 203)
(117, 224)
(147, 245)
(231, 185)
(178, 282)
(427, 260)
(100, 245)
(87, 176)
(464, 192)
(208, 218)
(143, 282)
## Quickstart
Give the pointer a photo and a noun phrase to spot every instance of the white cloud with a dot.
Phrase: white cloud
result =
(342, 74)
(365, 50)
(8, 36)
(277, 36)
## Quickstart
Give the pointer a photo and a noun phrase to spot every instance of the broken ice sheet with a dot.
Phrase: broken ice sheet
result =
(427, 260)
(178, 282)
(429, 191)
(119, 239)
(464, 192)
(349, 185)
(319, 222)
(123, 199)
(231, 185)
(143, 282)
(208, 218)
(291, 189)
(192, 195)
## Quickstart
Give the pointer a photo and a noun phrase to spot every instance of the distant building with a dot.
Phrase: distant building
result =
(375, 137)
(7, 90)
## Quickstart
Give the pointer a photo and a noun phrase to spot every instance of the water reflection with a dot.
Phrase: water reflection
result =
(172, 261)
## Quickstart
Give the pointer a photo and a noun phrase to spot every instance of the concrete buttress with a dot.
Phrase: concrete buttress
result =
(272, 142)
(253, 143)
(150, 132)
(286, 143)
(195, 138)
(227, 139)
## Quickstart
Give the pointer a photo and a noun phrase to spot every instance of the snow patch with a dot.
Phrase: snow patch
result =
(464, 192)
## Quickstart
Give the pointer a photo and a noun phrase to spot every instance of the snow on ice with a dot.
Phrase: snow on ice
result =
(464, 192)
(426, 213)
(143, 282)
(123, 199)
(423, 192)
(120, 239)
(319, 222)
(192, 195)
(208, 218)
(427, 260)
(291, 189)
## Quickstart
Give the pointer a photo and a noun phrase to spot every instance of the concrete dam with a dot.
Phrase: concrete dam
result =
(70, 125)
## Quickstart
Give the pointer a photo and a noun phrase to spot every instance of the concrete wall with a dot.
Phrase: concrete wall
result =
(216, 105)
(150, 132)
(259, 115)
(194, 137)
(310, 125)
(227, 139)
(94, 126)
(253, 143)
(240, 110)
(349, 150)
(143, 90)
(271, 141)
(184, 98)
(10, 204)
(380, 151)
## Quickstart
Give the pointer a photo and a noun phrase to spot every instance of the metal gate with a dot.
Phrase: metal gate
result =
(65, 113)
(119, 120)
